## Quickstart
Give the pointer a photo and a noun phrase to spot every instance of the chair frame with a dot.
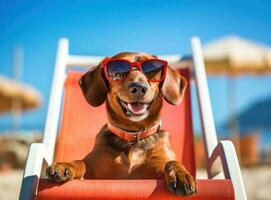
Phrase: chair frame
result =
(221, 157)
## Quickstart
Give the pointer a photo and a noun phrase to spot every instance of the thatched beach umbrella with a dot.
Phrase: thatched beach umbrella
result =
(233, 55)
(24, 95)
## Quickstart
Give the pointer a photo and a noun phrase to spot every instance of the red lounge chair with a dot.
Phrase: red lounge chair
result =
(80, 123)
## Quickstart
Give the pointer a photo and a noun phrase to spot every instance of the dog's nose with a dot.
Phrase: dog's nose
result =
(138, 88)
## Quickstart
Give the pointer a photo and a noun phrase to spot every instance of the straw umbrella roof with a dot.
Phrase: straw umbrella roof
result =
(234, 55)
(11, 91)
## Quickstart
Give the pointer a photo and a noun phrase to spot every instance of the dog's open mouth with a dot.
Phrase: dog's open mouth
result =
(134, 108)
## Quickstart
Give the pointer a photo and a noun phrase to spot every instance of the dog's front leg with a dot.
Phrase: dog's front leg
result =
(65, 171)
(179, 180)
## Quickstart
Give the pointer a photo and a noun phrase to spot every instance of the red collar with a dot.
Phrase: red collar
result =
(133, 136)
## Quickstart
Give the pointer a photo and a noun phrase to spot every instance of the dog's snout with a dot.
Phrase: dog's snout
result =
(138, 88)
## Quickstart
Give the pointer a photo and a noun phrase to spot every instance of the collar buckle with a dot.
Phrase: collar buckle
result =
(136, 137)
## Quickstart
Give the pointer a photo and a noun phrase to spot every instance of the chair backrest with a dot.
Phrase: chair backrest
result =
(81, 122)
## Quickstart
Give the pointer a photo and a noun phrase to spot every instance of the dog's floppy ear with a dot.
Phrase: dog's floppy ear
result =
(173, 87)
(94, 86)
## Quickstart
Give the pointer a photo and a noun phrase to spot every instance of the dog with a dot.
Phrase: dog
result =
(131, 145)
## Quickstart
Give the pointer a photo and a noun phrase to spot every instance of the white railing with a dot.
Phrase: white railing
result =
(54, 106)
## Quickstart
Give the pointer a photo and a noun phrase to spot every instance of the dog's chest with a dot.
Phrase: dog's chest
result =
(131, 160)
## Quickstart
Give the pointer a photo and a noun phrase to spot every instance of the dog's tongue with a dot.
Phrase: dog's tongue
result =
(137, 108)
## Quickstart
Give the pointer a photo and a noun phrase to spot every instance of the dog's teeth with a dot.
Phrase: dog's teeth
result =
(123, 104)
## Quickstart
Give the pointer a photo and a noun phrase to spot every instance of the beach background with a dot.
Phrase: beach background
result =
(241, 102)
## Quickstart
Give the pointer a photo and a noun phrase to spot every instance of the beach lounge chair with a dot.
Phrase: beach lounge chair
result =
(73, 137)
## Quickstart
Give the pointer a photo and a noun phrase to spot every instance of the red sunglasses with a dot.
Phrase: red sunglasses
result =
(118, 69)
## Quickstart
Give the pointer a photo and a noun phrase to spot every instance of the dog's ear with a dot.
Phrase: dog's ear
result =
(173, 87)
(93, 86)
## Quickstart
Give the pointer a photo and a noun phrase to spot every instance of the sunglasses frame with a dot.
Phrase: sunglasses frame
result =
(132, 66)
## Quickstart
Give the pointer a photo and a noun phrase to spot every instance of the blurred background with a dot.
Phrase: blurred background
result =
(237, 51)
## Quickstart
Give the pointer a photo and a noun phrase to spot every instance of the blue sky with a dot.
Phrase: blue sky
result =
(106, 27)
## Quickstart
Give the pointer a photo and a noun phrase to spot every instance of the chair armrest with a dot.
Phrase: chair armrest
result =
(225, 151)
(37, 156)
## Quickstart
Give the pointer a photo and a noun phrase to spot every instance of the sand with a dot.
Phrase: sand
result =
(10, 183)
(257, 182)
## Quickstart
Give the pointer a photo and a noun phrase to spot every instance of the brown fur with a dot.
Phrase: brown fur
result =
(115, 158)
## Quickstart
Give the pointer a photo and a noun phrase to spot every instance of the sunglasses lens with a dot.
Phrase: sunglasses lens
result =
(153, 69)
(117, 70)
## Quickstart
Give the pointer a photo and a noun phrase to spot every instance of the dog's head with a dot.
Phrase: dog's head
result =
(135, 99)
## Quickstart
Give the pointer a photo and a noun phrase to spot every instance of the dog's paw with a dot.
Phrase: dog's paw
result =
(60, 172)
(178, 180)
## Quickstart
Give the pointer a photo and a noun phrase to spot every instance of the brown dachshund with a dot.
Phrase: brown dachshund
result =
(131, 144)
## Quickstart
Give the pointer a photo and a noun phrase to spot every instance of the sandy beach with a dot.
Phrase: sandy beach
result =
(257, 182)
(10, 183)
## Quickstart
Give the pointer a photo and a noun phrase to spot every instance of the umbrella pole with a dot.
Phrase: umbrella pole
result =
(16, 104)
(234, 131)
